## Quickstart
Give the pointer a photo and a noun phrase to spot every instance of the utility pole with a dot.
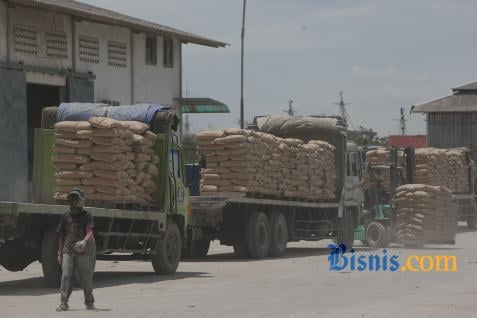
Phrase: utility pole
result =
(242, 120)
(402, 122)
(290, 111)
(187, 126)
(342, 109)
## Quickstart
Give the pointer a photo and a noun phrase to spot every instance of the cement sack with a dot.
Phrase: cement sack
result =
(105, 123)
(78, 143)
(72, 126)
(67, 158)
(135, 126)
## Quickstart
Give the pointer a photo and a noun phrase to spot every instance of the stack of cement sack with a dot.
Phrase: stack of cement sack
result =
(446, 167)
(243, 162)
(378, 160)
(425, 215)
(108, 160)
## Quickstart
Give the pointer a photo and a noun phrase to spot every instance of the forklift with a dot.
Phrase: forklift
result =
(377, 223)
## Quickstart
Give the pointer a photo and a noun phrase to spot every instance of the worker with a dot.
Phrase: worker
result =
(381, 194)
(77, 250)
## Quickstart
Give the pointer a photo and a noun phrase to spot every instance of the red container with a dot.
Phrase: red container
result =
(416, 141)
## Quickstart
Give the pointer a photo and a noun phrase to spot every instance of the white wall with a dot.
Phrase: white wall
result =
(155, 83)
(112, 83)
(42, 21)
(3, 32)
(151, 83)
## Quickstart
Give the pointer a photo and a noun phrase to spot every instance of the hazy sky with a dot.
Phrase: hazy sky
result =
(383, 54)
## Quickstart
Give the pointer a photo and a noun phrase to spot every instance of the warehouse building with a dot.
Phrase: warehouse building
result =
(54, 51)
(452, 120)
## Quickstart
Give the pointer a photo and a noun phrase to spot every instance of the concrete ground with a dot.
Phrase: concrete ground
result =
(298, 285)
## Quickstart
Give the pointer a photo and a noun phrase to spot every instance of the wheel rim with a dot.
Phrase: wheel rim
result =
(373, 233)
(281, 235)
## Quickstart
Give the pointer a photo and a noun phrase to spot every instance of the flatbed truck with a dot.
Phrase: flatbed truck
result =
(28, 229)
(261, 227)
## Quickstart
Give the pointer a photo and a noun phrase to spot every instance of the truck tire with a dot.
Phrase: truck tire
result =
(198, 248)
(377, 235)
(167, 257)
(278, 234)
(49, 257)
(346, 233)
(258, 235)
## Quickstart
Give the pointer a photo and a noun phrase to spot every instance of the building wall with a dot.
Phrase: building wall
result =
(449, 130)
(3, 32)
(155, 83)
(112, 82)
(42, 22)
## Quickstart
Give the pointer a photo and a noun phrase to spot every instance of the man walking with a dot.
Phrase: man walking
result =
(77, 250)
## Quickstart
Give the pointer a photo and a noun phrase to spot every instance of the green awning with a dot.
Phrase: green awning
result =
(203, 106)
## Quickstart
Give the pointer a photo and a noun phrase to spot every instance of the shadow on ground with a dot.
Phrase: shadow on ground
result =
(465, 229)
(292, 252)
(37, 286)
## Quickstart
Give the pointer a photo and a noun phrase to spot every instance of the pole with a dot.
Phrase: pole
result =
(242, 121)
(403, 122)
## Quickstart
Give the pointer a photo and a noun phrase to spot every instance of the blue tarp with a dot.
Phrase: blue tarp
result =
(83, 111)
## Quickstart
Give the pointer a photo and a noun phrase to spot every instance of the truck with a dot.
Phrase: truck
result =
(260, 227)
(28, 229)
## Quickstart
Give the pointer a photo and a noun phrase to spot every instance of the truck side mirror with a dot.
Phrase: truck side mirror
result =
(202, 161)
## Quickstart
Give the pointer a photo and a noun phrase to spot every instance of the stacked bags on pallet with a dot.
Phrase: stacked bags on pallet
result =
(425, 214)
(244, 162)
(110, 160)
(379, 160)
(446, 167)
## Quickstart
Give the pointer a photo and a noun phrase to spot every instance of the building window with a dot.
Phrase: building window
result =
(117, 54)
(25, 39)
(89, 49)
(151, 50)
(56, 44)
(168, 52)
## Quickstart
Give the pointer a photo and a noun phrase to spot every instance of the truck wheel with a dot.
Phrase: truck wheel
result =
(49, 257)
(471, 222)
(346, 234)
(377, 235)
(168, 255)
(278, 234)
(198, 248)
(258, 235)
(241, 251)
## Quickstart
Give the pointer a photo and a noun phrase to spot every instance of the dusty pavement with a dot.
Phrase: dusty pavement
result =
(299, 285)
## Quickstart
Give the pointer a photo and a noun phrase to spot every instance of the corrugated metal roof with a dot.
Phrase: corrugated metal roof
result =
(470, 86)
(452, 103)
(90, 12)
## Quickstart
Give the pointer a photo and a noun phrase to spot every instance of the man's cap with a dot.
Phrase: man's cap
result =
(75, 193)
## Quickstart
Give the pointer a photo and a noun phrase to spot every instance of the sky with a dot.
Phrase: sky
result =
(383, 54)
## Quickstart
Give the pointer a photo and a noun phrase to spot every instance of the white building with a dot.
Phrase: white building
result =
(54, 51)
